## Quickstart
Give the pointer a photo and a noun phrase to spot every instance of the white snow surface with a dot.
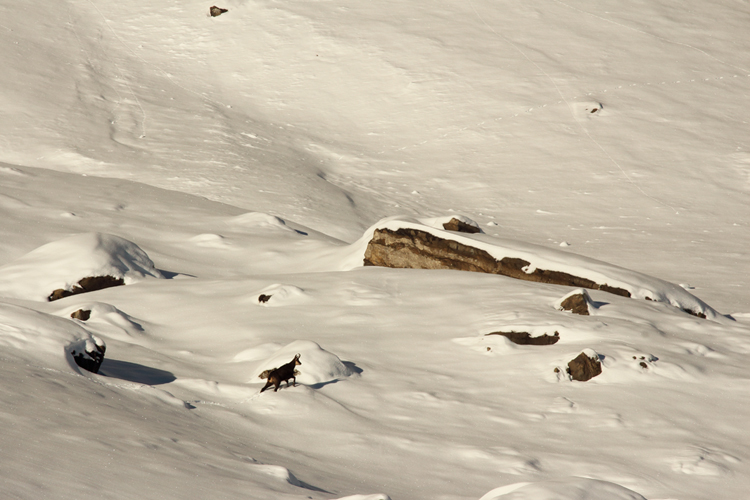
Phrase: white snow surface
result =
(255, 153)
(61, 264)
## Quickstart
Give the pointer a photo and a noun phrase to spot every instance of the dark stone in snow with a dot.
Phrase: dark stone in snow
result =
(81, 314)
(460, 226)
(90, 361)
(524, 338)
(584, 368)
(264, 298)
(216, 11)
(89, 284)
(577, 304)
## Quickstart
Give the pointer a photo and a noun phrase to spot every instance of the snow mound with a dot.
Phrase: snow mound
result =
(640, 286)
(210, 240)
(318, 365)
(39, 337)
(259, 220)
(575, 488)
(117, 323)
(278, 472)
(61, 264)
(281, 295)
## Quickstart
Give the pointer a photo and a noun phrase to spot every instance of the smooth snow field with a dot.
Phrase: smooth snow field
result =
(230, 172)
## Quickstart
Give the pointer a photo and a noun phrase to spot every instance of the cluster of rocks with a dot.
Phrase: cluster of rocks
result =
(412, 248)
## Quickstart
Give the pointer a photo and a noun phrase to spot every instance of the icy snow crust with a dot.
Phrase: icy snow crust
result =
(254, 154)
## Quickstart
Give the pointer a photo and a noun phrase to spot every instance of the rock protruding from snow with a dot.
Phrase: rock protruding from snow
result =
(318, 365)
(460, 226)
(65, 263)
(216, 11)
(417, 249)
(574, 488)
(419, 244)
(81, 314)
(585, 366)
(525, 338)
(88, 284)
(578, 302)
(88, 353)
(281, 295)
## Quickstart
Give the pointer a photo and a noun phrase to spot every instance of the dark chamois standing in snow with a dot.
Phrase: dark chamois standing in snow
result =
(283, 374)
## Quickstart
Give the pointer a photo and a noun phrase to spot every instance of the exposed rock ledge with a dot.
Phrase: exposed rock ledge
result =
(426, 244)
(416, 249)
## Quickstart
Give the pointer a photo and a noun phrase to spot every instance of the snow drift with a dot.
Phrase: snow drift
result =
(62, 264)
(42, 338)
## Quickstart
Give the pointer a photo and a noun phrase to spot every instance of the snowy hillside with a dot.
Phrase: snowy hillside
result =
(197, 195)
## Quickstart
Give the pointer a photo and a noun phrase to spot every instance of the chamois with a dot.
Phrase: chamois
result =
(283, 374)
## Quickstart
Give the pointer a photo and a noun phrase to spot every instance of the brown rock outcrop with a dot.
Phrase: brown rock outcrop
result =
(82, 314)
(89, 284)
(216, 11)
(584, 368)
(577, 304)
(524, 338)
(416, 249)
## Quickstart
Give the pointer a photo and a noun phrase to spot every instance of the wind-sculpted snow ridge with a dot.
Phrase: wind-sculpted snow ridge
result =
(63, 263)
(608, 276)
(45, 339)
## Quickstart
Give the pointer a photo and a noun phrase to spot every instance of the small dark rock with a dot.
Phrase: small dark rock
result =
(81, 314)
(694, 313)
(524, 338)
(462, 227)
(216, 11)
(584, 368)
(264, 298)
(643, 364)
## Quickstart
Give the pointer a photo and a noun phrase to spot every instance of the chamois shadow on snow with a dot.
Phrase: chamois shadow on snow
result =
(133, 372)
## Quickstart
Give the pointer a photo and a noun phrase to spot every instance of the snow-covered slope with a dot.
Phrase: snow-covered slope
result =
(246, 159)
